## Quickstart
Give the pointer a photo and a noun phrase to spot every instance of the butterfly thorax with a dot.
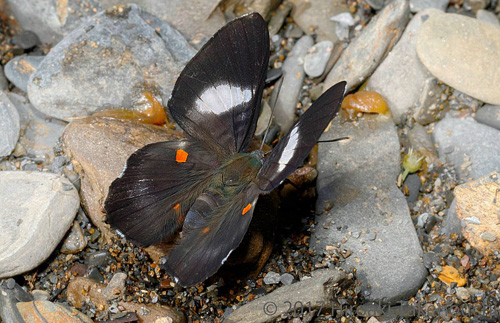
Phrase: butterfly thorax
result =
(239, 171)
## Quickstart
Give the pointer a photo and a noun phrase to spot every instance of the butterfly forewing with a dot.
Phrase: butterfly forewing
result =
(160, 182)
(214, 227)
(217, 96)
(291, 151)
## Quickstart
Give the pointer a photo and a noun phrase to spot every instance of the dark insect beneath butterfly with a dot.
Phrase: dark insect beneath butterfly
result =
(207, 185)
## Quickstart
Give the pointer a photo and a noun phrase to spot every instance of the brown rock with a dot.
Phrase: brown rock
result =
(81, 290)
(75, 241)
(100, 156)
(480, 199)
(85, 290)
(45, 311)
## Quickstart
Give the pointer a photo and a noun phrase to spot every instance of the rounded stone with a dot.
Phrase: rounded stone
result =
(36, 210)
(317, 58)
(464, 53)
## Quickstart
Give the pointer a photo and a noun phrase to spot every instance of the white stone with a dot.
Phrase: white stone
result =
(36, 210)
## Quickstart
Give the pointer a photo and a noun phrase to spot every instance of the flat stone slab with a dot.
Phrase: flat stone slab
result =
(36, 210)
(361, 209)
(464, 53)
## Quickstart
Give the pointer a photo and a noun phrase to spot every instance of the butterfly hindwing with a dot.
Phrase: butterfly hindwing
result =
(294, 147)
(216, 98)
(214, 227)
(160, 182)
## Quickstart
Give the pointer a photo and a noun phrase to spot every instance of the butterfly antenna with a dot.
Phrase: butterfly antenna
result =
(333, 140)
(272, 112)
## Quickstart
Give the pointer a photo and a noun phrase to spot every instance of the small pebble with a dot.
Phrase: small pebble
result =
(272, 278)
(488, 236)
(286, 279)
(26, 39)
(463, 294)
(11, 283)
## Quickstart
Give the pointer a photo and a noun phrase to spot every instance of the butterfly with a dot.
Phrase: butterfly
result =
(206, 186)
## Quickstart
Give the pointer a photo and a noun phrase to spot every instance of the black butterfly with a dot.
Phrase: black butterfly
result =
(208, 184)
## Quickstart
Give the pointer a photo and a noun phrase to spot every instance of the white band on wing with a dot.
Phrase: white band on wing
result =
(222, 98)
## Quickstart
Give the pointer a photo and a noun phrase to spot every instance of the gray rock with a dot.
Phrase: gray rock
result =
(115, 287)
(293, 78)
(487, 16)
(366, 199)
(421, 141)
(428, 108)
(315, 291)
(367, 50)
(294, 31)
(419, 5)
(58, 19)
(105, 64)
(75, 241)
(9, 123)
(51, 20)
(431, 259)
(9, 296)
(422, 219)
(344, 21)
(197, 20)
(36, 210)
(317, 57)
(279, 17)
(26, 39)
(376, 4)
(313, 17)
(474, 149)
(403, 67)
(19, 69)
(452, 224)
(4, 84)
(39, 133)
(40, 295)
(98, 258)
(271, 278)
(263, 121)
(96, 275)
(461, 52)
(488, 236)
(489, 115)
(286, 279)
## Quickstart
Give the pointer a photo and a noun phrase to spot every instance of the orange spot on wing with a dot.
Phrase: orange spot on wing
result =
(177, 206)
(246, 209)
(181, 156)
(206, 230)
